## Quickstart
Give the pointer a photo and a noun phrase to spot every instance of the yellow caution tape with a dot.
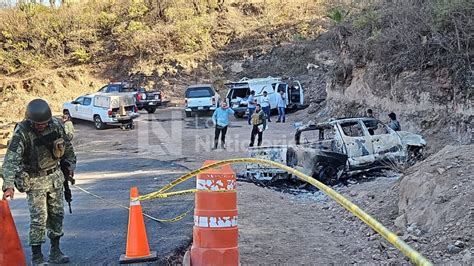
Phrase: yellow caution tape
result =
(354, 209)
(175, 219)
(172, 220)
(164, 195)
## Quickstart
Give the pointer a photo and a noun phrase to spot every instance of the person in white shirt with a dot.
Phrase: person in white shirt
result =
(251, 105)
(265, 103)
(281, 105)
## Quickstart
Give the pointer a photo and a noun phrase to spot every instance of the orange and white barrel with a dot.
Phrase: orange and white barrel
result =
(215, 233)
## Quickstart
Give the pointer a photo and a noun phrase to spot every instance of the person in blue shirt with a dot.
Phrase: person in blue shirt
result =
(281, 105)
(252, 104)
(221, 120)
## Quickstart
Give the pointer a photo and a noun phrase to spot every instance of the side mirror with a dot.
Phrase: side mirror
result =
(74, 102)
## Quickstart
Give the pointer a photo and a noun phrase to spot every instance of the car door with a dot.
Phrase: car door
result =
(81, 109)
(357, 144)
(86, 109)
(74, 112)
(386, 142)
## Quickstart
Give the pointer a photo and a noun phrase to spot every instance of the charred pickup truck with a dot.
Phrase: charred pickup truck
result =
(340, 147)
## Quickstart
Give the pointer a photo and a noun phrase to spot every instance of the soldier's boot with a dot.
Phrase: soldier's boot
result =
(37, 256)
(55, 254)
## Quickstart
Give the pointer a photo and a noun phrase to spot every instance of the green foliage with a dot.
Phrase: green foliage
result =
(367, 19)
(162, 37)
(81, 55)
(137, 9)
(337, 15)
(441, 9)
(107, 20)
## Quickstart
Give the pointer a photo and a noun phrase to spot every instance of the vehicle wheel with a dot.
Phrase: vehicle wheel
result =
(98, 122)
(151, 110)
(328, 175)
(140, 108)
(415, 154)
(188, 114)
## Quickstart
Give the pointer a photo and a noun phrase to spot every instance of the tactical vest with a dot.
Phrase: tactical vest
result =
(38, 154)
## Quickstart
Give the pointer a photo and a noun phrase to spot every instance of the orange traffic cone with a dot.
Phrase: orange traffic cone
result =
(11, 252)
(137, 243)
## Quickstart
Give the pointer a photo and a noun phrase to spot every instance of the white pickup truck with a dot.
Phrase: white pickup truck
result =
(103, 109)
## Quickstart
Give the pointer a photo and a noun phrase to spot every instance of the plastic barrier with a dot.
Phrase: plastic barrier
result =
(215, 233)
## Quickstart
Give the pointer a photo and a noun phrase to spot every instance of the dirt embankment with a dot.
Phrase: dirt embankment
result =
(436, 204)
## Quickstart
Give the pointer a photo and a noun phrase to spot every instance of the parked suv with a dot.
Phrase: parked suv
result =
(148, 100)
(201, 98)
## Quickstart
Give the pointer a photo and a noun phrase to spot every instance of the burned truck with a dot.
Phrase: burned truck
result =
(338, 148)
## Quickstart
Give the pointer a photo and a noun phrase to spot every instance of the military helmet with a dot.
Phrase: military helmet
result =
(38, 111)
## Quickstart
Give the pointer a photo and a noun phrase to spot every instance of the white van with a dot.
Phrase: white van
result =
(103, 109)
(238, 93)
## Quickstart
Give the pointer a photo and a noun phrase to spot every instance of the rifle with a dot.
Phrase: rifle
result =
(67, 178)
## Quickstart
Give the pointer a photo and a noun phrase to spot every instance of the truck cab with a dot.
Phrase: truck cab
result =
(238, 93)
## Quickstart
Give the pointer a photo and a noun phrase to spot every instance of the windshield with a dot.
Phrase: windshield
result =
(198, 92)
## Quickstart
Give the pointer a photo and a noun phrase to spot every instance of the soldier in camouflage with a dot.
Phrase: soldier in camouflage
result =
(31, 165)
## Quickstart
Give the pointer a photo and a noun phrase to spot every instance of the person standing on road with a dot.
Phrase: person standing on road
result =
(251, 105)
(394, 124)
(221, 120)
(281, 105)
(68, 126)
(259, 124)
(31, 165)
(265, 103)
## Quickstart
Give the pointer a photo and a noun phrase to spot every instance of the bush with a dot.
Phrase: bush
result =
(169, 35)
(81, 55)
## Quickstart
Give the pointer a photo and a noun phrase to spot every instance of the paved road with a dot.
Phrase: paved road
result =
(96, 231)
(110, 161)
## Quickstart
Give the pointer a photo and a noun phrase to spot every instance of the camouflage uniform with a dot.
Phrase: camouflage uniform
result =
(32, 167)
(69, 128)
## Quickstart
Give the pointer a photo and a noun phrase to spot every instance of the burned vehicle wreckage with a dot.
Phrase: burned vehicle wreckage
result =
(338, 148)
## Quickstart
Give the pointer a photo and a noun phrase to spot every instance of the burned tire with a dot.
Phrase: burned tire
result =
(328, 175)
(415, 154)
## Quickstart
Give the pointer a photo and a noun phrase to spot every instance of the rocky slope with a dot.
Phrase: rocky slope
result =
(436, 204)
